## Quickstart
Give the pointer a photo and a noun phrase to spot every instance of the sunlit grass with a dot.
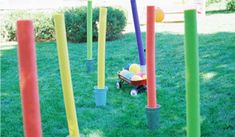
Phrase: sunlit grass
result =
(124, 116)
(208, 76)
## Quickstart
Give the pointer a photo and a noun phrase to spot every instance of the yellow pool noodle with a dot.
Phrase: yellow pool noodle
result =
(65, 75)
(101, 47)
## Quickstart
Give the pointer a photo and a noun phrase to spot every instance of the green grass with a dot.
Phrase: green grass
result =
(125, 115)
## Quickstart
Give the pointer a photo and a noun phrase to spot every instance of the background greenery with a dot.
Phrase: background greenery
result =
(208, 2)
(75, 19)
(44, 28)
(124, 116)
(230, 5)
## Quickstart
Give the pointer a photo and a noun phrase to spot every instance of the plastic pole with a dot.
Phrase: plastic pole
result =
(150, 52)
(28, 79)
(101, 48)
(89, 30)
(138, 32)
(192, 74)
(65, 75)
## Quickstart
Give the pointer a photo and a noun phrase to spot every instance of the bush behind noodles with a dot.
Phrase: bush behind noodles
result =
(75, 20)
(76, 23)
(208, 2)
(116, 22)
(43, 25)
(230, 5)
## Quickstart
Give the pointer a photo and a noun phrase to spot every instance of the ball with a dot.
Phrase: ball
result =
(136, 78)
(134, 68)
(127, 67)
(141, 74)
(129, 75)
(144, 76)
(159, 15)
(124, 72)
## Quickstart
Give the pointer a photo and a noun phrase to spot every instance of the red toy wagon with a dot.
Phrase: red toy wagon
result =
(139, 86)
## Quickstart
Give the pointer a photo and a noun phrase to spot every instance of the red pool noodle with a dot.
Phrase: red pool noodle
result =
(28, 79)
(150, 58)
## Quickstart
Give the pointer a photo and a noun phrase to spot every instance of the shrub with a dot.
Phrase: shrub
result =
(230, 5)
(75, 20)
(8, 26)
(76, 23)
(208, 2)
(44, 29)
(116, 22)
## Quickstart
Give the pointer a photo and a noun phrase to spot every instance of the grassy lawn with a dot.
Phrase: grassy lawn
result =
(125, 115)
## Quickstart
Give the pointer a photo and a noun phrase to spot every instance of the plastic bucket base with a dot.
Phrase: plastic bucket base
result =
(100, 96)
(153, 117)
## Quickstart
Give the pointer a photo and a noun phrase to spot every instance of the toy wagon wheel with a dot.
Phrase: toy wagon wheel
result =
(134, 92)
(118, 85)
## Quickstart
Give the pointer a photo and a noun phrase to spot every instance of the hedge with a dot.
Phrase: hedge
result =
(43, 25)
(230, 5)
(75, 20)
(208, 2)
(76, 23)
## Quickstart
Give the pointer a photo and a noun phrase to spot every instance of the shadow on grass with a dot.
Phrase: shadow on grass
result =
(125, 115)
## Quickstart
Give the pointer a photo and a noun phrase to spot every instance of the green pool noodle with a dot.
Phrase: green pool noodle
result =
(89, 30)
(192, 74)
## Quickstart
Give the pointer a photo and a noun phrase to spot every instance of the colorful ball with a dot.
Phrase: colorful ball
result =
(136, 78)
(134, 68)
(159, 14)
(144, 76)
(127, 67)
(129, 75)
(124, 72)
(141, 74)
